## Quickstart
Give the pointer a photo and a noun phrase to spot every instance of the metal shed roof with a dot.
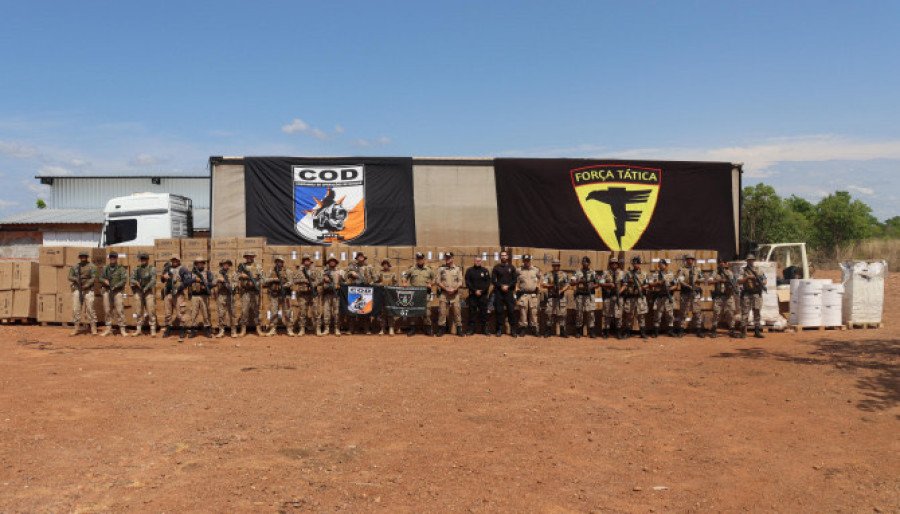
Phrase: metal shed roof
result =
(92, 192)
(81, 216)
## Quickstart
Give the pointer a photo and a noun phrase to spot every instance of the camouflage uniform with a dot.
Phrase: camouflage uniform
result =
(690, 277)
(83, 298)
(201, 287)
(359, 274)
(613, 303)
(175, 299)
(113, 280)
(278, 284)
(250, 277)
(449, 277)
(586, 282)
(331, 306)
(556, 283)
(304, 298)
(386, 278)
(527, 280)
(724, 303)
(143, 279)
(751, 297)
(420, 277)
(635, 301)
(663, 304)
(226, 285)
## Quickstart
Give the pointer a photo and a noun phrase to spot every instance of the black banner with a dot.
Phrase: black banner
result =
(406, 302)
(615, 205)
(361, 301)
(363, 200)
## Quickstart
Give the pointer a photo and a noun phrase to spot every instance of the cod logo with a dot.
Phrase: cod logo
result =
(618, 200)
(329, 203)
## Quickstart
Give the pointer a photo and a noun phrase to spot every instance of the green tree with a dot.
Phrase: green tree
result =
(767, 218)
(841, 221)
(801, 205)
(41, 204)
(890, 229)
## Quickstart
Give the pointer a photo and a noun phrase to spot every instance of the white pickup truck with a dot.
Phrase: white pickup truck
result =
(139, 219)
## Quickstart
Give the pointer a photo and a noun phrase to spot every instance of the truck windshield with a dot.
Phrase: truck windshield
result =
(120, 231)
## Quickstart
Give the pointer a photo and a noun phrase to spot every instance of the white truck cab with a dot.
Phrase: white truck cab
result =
(139, 219)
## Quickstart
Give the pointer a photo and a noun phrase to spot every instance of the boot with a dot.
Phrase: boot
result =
(592, 332)
(428, 330)
(192, 332)
(234, 331)
(499, 330)
(604, 333)
(743, 332)
(655, 333)
(272, 331)
(411, 331)
(563, 332)
(535, 332)
(712, 334)
(290, 330)
(181, 333)
(700, 332)
(152, 330)
(623, 334)
(337, 330)
(166, 331)
(391, 330)
(322, 330)
(93, 329)
(671, 332)
(679, 331)
(302, 331)
(643, 332)
(440, 331)
(485, 330)
(757, 332)
(522, 331)
(459, 332)
(732, 333)
(578, 331)
(75, 330)
(381, 331)
(259, 331)
(124, 331)
(137, 331)
(208, 332)
(221, 333)
(107, 330)
(471, 330)
(548, 331)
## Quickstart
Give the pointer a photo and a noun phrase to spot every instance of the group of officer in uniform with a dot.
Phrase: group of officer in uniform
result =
(309, 296)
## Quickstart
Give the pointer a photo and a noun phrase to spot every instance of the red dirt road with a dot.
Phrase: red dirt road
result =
(794, 423)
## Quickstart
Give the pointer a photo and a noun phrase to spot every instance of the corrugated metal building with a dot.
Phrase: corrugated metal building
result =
(74, 213)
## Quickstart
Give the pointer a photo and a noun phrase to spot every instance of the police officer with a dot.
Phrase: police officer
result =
(83, 278)
(503, 277)
(176, 278)
(279, 285)
(662, 284)
(201, 287)
(725, 290)
(420, 275)
(635, 299)
(386, 277)
(612, 284)
(753, 284)
(478, 282)
(528, 280)
(332, 278)
(113, 280)
(250, 277)
(555, 284)
(226, 285)
(689, 279)
(586, 282)
(143, 279)
(449, 280)
(360, 273)
(305, 297)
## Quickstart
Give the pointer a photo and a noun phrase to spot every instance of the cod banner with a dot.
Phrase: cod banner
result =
(301, 201)
(406, 302)
(361, 301)
(615, 205)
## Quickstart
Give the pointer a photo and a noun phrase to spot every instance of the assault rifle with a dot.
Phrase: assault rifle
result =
(328, 282)
(229, 287)
(692, 288)
(80, 285)
(313, 291)
(167, 280)
(199, 278)
(760, 286)
(665, 286)
(242, 269)
(637, 284)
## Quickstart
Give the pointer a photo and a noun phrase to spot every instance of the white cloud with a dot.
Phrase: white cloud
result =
(338, 129)
(862, 190)
(144, 159)
(298, 126)
(18, 150)
(56, 171)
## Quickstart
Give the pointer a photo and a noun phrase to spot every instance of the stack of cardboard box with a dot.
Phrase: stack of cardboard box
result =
(54, 299)
(18, 289)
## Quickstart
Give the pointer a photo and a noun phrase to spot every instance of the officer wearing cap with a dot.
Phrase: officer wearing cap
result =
(504, 278)
(113, 280)
(753, 284)
(360, 273)
(201, 286)
(612, 284)
(449, 281)
(143, 280)
(478, 283)
(278, 284)
(662, 287)
(83, 278)
(635, 300)
(586, 282)
(176, 279)
(332, 278)
(420, 275)
(305, 283)
(225, 287)
(528, 279)
(689, 279)
(724, 296)
(250, 278)
(386, 278)
(555, 285)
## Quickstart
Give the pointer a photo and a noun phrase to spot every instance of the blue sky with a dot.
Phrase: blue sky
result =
(805, 93)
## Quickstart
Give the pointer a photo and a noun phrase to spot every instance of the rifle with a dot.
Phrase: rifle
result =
(314, 293)
(762, 288)
(242, 269)
(328, 286)
(692, 280)
(554, 291)
(80, 285)
(202, 280)
(665, 286)
(167, 272)
(637, 284)
(586, 277)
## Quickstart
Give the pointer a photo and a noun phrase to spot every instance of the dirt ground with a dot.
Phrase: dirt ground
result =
(804, 422)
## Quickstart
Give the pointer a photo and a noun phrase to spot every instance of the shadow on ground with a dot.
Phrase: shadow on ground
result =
(882, 357)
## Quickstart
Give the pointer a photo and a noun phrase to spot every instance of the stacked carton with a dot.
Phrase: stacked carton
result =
(18, 289)
(54, 292)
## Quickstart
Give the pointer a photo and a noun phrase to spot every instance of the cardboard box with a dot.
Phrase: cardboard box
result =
(570, 260)
(25, 275)
(195, 245)
(258, 251)
(24, 304)
(64, 307)
(52, 256)
(224, 243)
(340, 252)
(187, 258)
(247, 242)
(6, 275)
(48, 279)
(96, 255)
(46, 307)
(6, 304)
(217, 256)
(164, 248)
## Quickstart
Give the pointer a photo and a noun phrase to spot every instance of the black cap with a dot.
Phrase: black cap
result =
(586, 259)
(664, 261)
(448, 255)
(83, 253)
(420, 255)
(113, 254)
(386, 261)
(636, 259)
(143, 255)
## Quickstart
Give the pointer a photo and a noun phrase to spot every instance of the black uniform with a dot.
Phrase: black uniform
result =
(504, 275)
(478, 279)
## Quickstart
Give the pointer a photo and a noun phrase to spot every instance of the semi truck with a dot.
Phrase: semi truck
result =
(140, 218)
